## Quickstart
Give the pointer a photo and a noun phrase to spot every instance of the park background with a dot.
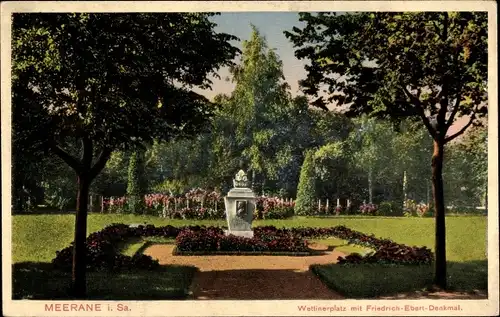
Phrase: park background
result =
(358, 159)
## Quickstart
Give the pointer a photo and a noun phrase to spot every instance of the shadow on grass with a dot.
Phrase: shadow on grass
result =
(32, 280)
(375, 280)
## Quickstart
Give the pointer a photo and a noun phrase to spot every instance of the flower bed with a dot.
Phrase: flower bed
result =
(103, 252)
(200, 204)
(386, 251)
(413, 209)
(216, 241)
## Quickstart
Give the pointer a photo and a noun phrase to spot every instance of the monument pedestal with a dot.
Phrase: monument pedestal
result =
(244, 234)
(240, 206)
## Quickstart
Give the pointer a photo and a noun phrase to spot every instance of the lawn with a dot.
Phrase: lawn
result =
(369, 281)
(37, 237)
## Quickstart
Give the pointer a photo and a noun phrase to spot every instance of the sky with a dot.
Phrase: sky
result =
(271, 25)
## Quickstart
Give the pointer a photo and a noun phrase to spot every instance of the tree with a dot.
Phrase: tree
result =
(306, 191)
(466, 172)
(27, 167)
(259, 106)
(109, 81)
(413, 147)
(374, 140)
(333, 171)
(429, 66)
(475, 143)
(113, 179)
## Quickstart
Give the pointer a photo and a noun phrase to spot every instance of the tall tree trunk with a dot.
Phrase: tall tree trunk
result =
(427, 193)
(86, 173)
(485, 204)
(438, 193)
(79, 250)
(405, 186)
(254, 181)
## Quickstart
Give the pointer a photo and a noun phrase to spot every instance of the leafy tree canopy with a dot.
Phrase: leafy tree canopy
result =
(114, 80)
(428, 65)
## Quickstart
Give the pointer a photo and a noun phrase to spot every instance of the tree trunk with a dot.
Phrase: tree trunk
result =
(254, 183)
(439, 210)
(79, 249)
(427, 193)
(370, 186)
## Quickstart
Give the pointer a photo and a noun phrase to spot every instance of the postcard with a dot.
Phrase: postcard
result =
(249, 158)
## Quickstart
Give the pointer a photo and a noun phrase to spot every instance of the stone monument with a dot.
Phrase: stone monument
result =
(240, 206)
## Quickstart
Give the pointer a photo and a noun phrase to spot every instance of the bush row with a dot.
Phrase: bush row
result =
(103, 254)
(409, 208)
(103, 246)
(217, 241)
(200, 205)
(386, 251)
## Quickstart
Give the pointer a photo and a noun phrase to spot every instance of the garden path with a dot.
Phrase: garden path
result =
(252, 277)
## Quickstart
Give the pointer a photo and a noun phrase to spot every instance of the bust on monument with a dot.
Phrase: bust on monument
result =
(241, 209)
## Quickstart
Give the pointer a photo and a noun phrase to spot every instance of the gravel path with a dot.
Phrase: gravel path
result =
(252, 277)
(269, 277)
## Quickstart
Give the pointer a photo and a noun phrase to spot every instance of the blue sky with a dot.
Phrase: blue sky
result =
(271, 25)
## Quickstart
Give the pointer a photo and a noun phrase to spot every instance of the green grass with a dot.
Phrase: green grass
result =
(138, 245)
(364, 281)
(342, 245)
(36, 238)
(369, 281)
(39, 281)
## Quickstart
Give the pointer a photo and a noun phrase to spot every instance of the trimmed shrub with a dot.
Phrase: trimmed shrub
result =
(390, 209)
(136, 188)
(306, 190)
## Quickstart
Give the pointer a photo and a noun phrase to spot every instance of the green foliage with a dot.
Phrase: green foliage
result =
(333, 171)
(306, 190)
(172, 187)
(113, 179)
(390, 209)
(259, 106)
(97, 85)
(137, 186)
(466, 172)
(112, 81)
(397, 64)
